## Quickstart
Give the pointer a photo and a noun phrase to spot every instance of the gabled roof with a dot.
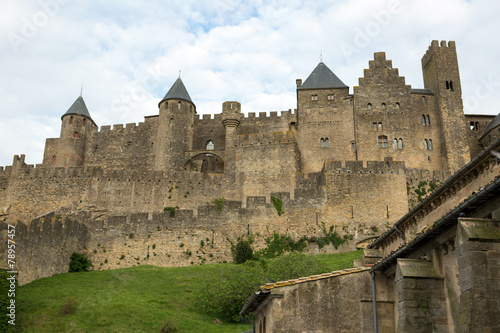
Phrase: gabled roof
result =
(322, 78)
(78, 108)
(177, 91)
(491, 126)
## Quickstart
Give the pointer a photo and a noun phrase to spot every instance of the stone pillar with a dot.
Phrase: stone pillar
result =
(421, 304)
(478, 251)
(231, 115)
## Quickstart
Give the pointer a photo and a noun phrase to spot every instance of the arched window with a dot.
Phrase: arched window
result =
(171, 122)
(382, 141)
(400, 143)
(383, 106)
(71, 120)
(430, 144)
(324, 143)
(83, 123)
(427, 120)
(395, 143)
(75, 135)
(210, 145)
(426, 144)
(369, 106)
(53, 160)
(398, 105)
(423, 99)
(353, 145)
(179, 105)
(423, 119)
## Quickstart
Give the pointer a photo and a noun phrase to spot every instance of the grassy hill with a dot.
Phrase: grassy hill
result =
(137, 299)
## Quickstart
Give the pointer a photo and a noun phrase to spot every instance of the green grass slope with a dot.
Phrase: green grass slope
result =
(137, 299)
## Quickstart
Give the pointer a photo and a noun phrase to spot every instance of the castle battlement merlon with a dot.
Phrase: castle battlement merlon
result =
(436, 45)
(358, 167)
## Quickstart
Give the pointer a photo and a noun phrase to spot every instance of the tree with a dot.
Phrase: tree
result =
(242, 252)
(79, 263)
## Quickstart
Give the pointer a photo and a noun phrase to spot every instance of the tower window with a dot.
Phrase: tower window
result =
(210, 145)
(382, 141)
(423, 99)
(331, 97)
(83, 123)
(71, 120)
(398, 143)
(324, 143)
(383, 106)
(75, 135)
(314, 97)
(398, 105)
(369, 106)
(353, 145)
(377, 126)
(171, 122)
(427, 120)
(428, 144)
(449, 85)
(179, 105)
(54, 160)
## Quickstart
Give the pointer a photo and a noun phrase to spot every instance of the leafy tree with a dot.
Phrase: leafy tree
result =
(293, 266)
(225, 293)
(79, 263)
(242, 252)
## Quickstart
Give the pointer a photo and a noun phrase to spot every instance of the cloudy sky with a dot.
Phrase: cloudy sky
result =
(128, 54)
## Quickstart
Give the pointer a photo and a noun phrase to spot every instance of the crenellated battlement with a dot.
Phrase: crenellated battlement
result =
(435, 47)
(359, 167)
(123, 129)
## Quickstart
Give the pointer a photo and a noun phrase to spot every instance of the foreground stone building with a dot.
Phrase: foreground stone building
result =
(176, 188)
(436, 270)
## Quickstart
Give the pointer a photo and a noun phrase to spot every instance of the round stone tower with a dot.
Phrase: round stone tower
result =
(175, 128)
(75, 130)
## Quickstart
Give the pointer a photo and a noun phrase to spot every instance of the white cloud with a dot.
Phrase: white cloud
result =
(128, 54)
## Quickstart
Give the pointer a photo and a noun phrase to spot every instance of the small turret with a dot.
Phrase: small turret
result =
(75, 128)
(175, 128)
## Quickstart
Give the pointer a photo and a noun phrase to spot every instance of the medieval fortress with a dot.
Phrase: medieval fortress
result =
(174, 189)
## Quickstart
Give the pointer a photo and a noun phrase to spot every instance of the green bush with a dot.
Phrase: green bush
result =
(224, 293)
(219, 203)
(279, 244)
(278, 204)
(242, 252)
(79, 263)
(293, 266)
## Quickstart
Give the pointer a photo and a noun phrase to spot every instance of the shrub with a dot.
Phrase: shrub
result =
(242, 252)
(278, 204)
(293, 266)
(171, 210)
(224, 293)
(279, 244)
(169, 328)
(219, 202)
(79, 263)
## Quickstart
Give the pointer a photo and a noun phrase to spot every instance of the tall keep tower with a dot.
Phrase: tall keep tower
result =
(441, 75)
(175, 128)
(75, 130)
(324, 118)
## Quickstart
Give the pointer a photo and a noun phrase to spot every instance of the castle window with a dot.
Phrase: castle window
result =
(383, 106)
(369, 106)
(398, 105)
(324, 143)
(166, 105)
(423, 119)
(83, 123)
(314, 97)
(423, 99)
(75, 135)
(54, 160)
(179, 105)
(428, 144)
(382, 141)
(427, 120)
(449, 85)
(474, 126)
(400, 143)
(331, 97)
(210, 145)
(353, 145)
(377, 126)
(71, 120)
(171, 122)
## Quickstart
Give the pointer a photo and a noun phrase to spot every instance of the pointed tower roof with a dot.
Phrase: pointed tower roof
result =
(178, 91)
(78, 108)
(322, 78)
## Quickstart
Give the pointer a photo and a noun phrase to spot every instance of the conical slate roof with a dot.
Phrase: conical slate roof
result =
(491, 126)
(178, 91)
(322, 78)
(78, 108)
